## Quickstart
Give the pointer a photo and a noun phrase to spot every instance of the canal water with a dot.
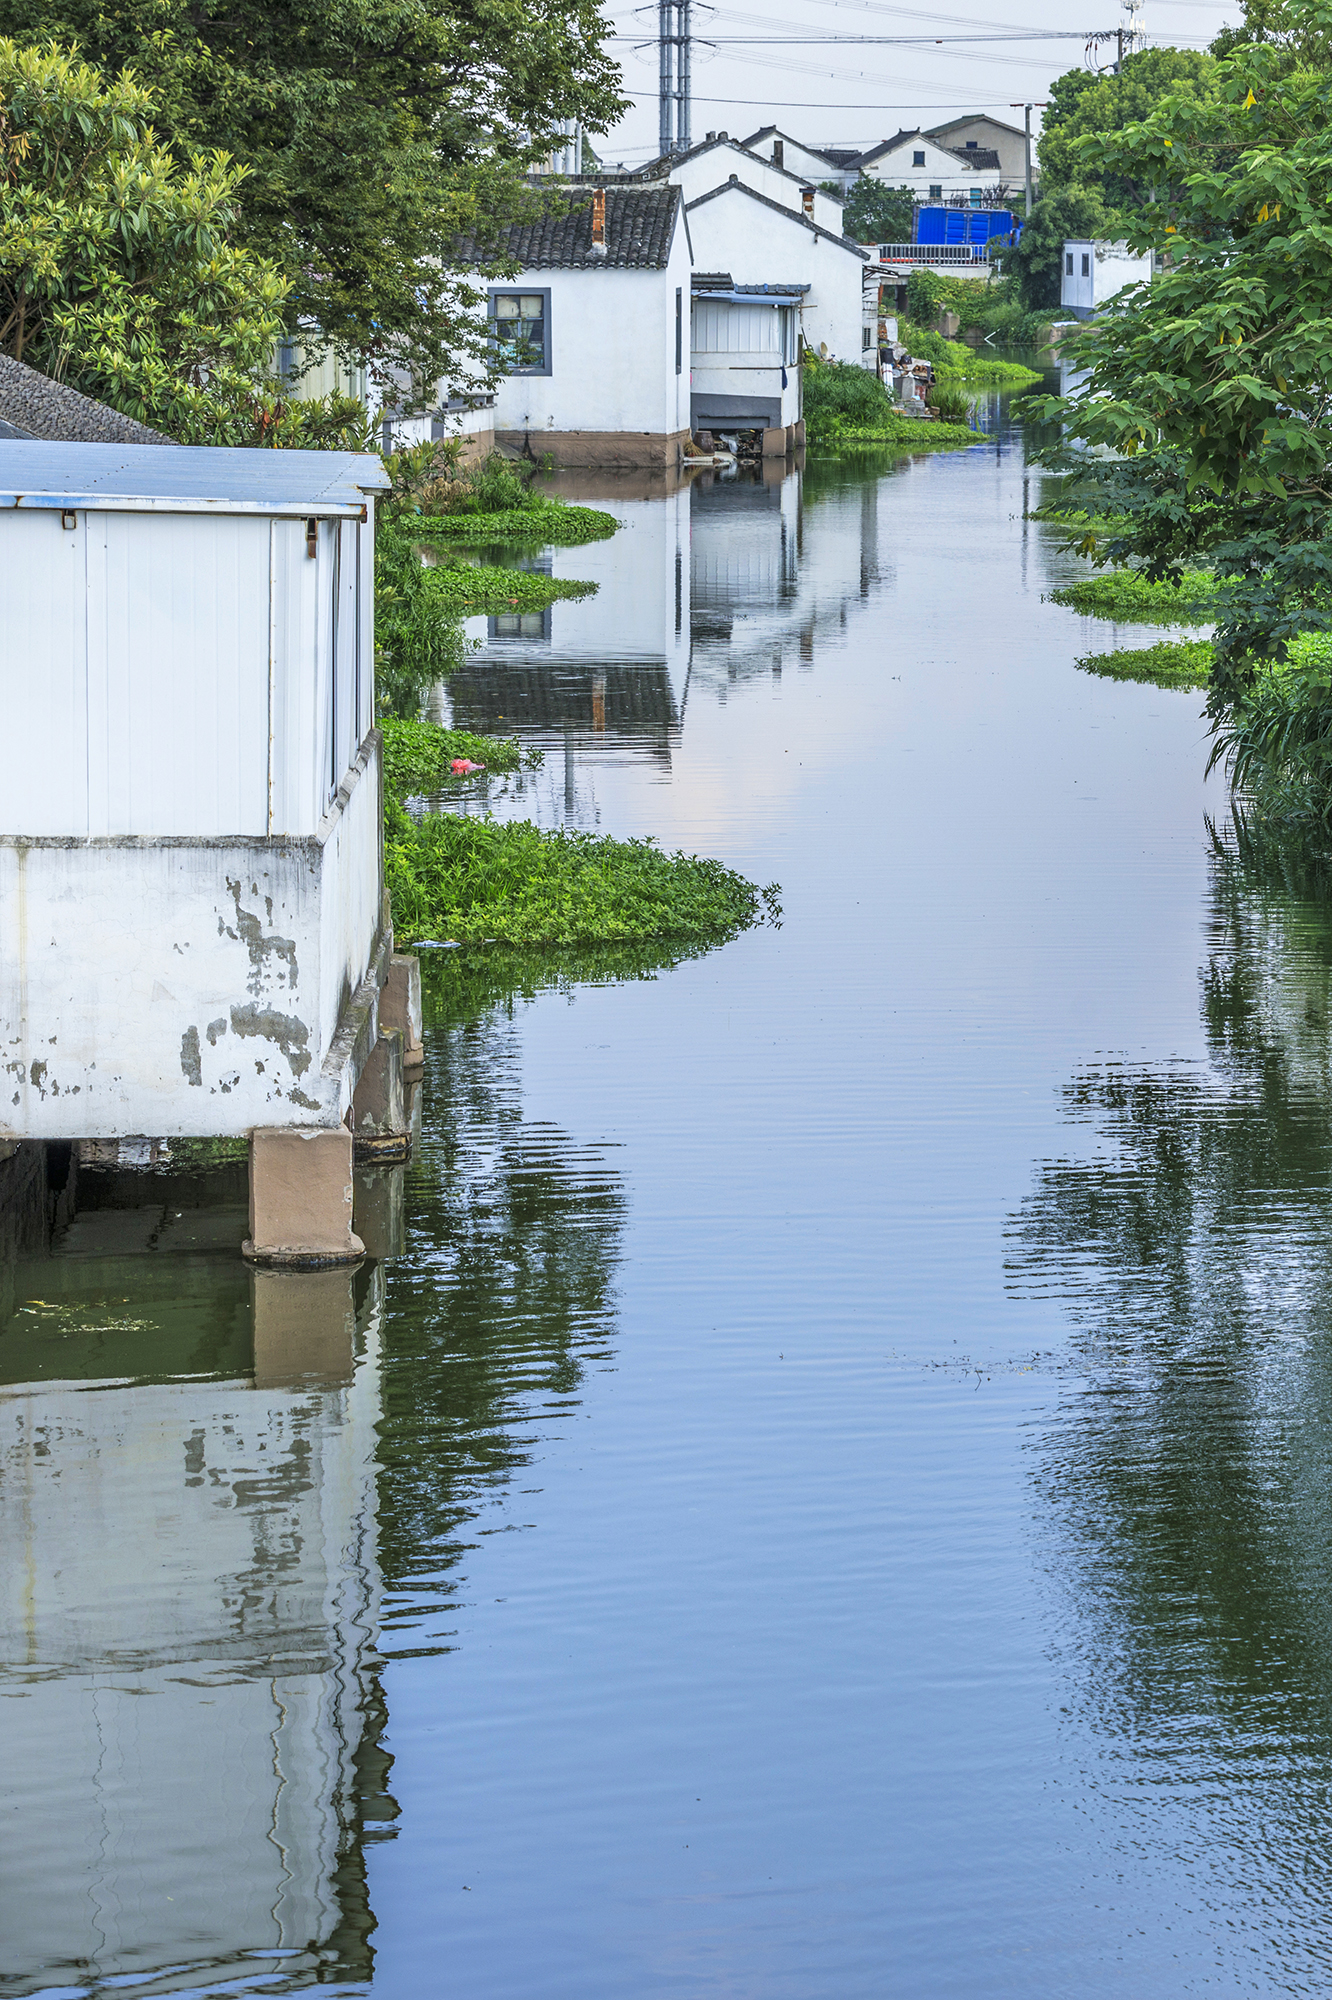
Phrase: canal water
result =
(834, 1497)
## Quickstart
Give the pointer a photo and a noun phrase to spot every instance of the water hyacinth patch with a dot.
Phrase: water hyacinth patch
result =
(486, 882)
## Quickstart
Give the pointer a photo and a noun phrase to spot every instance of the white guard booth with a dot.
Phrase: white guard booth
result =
(1095, 272)
(193, 936)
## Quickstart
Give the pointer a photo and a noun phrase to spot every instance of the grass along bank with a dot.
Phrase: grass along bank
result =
(846, 406)
(482, 881)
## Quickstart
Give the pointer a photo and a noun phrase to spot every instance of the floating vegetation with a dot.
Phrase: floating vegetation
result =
(544, 523)
(1132, 598)
(466, 587)
(471, 881)
(1170, 663)
(905, 433)
(418, 756)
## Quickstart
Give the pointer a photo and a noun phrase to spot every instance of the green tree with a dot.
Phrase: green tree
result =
(373, 136)
(118, 269)
(1080, 194)
(877, 214)
(1038, 256)
(1085, 104)
(1213, 386)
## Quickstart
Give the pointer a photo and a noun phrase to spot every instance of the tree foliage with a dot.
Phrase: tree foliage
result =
(874, 213)
(372, 137)
(1213, 385)
(1081, 194)
(119, 272)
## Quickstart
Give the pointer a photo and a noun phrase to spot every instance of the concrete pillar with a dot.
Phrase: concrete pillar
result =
(304, 1326)
(379, 1115)
(301, 1197)
(400, 1007)
(798, 433)
(774, 442)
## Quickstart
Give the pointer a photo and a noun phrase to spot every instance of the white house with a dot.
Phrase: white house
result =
(1096, 272)
(935, 172)
(817, 164)
(759, 242)
(594, 329)
(193, 932)
(720, 159)
(978, 132)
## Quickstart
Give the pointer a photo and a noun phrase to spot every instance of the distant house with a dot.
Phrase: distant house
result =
(971, 177)
(719, 159)
(1095, 272)
(819, 164)
(979, 133)
(762, 243)
(593, 328)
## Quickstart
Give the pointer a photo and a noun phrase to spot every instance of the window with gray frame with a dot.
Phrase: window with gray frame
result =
(918, 159)
(1086, 264)
(520, 322)
(936, 190)
(1068, 264)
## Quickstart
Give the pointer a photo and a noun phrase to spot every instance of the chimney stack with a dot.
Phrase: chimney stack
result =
(598, 250)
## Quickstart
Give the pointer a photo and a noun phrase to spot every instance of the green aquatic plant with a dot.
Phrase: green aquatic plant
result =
(488, 882)
(1132, 598)
(417, 755)
(1170, 663)
(546, 523)
(1277, 736)
(463, 588)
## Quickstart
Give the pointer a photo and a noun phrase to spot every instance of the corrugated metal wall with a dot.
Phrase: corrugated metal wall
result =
(186, 674)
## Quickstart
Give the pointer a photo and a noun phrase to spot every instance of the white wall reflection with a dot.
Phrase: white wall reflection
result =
(189, 1614)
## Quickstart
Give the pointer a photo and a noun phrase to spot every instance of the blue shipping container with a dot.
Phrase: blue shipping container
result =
(961, 226)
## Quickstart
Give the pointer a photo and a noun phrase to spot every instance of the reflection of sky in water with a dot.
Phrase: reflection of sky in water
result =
(850, 1498)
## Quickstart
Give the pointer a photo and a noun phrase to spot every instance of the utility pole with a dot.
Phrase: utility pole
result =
(673, 75)
(1036, 105)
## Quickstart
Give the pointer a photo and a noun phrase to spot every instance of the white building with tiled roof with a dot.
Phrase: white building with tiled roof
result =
(594, 329)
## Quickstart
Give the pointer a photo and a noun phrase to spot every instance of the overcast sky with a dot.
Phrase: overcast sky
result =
(854, 93)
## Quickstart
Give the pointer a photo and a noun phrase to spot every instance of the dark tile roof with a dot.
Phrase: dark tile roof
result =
(640, 225)
(33, 407)
(659, 168)
(975, 118)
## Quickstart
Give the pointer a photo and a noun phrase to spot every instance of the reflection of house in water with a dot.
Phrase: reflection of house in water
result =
(605, 676)
(189, 1616)
(772, 570)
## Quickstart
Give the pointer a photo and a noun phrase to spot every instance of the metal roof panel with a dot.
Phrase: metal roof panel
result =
(197, 477)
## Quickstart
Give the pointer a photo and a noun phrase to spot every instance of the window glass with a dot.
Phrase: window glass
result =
(1068, 265)
(520, 328)
(917, 159)
(936, 190)
(1086, 266)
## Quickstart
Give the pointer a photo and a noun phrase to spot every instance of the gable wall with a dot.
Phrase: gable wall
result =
(760, 247)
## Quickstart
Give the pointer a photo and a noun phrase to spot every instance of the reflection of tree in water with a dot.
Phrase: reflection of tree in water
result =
(505, 1292)
(1191, 1475)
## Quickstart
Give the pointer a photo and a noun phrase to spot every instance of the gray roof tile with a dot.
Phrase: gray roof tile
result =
(33, 406)
(640, 223)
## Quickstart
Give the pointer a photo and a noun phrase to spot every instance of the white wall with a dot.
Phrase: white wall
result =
(703, 171)
(182, 674)
(185, 987)
(759, 246)
(1109, 268)
(942, 169)
(797, 159)
(994, 135)
(612, 336)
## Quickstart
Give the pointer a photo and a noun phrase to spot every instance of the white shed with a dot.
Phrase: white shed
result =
(191, 874)
(1095, 272)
